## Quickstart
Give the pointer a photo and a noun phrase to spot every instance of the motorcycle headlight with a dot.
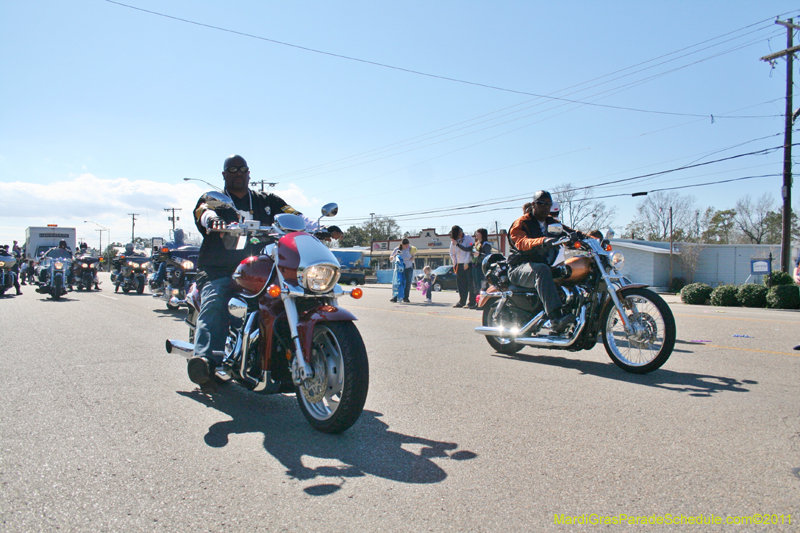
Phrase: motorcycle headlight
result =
(187, 265)
(59, 265)
(84, 265)
(2, 263)
(144, 265)
(132, 264)
(617, 260)
(320, 278)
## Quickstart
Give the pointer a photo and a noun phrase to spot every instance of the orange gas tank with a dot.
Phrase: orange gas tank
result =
(579, 268)
(253, 273)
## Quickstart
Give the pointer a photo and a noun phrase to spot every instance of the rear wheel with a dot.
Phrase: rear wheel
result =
(505, 320)
(437, 287)
(333, 400)
(650, 343)
(353, 282)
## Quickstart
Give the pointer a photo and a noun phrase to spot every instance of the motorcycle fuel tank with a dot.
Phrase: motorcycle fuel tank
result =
(253, 273)
(580, 268)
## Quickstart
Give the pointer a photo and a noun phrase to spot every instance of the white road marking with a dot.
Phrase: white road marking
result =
(109, 297)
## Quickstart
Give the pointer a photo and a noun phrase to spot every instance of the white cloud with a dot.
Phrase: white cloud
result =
(108, 202)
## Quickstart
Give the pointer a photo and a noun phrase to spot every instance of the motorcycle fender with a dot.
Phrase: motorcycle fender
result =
(324, 313)
(631, 286)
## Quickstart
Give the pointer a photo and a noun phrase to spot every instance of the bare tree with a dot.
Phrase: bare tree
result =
(652, 221)
(690, 259)
(580, 210)
(752, 216)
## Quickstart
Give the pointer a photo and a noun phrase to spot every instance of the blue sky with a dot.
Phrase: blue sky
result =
(105, 109)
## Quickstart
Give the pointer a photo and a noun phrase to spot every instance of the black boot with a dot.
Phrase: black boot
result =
(200, 371)
(561, 322)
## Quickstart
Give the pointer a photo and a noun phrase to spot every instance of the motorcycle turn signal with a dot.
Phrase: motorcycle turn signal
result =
(356, 293)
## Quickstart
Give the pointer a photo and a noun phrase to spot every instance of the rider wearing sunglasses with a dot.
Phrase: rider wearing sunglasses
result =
(216, 264)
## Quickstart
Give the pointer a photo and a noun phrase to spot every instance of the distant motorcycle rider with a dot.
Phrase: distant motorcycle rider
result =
(216, 264)
(119, 263)
(15, 269)
(161, 273)
(531, 265)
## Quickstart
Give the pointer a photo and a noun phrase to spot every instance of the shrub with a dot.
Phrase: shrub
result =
(779, 278)
(752, 295)
(725, 296)
(696, 293)
(784, 297)
(677, 284)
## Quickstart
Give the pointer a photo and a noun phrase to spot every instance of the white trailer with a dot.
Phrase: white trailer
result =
(39, 239)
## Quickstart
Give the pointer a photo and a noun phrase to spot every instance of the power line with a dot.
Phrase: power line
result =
(410, 71)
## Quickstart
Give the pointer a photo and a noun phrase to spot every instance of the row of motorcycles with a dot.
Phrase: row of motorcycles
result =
(58, 271)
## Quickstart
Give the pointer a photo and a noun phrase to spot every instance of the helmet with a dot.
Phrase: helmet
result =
(556, 209)
(62, 243)
(84, 246)
(489, 261)
(129, 248)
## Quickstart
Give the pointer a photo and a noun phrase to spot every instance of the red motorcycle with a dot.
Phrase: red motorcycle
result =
(288, 332)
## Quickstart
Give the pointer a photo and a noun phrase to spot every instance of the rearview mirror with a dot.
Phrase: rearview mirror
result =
(609, 233)
(330, 210)
(216, 199)
(555, 230)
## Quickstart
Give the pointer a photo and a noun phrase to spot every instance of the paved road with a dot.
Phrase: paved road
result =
(102, 431)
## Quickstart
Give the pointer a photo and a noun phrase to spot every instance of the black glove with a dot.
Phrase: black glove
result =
(548, 242)
(579, 236)
(216, 224)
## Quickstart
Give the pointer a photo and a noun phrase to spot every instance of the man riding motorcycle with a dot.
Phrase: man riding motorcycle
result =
(533, 257)
(216, 264)
(161, 272)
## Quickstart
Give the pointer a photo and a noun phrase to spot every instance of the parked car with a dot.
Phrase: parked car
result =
(352, 278)
(445, 278)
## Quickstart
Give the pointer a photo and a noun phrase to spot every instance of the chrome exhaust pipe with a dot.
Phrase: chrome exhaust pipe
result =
(181, 348)
(546, 341)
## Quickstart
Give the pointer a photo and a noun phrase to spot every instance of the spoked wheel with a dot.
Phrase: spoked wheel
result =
(500, 344)
(333, 400)
(653, 337)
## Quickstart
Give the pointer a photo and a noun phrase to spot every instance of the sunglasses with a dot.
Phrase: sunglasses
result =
(549, 204)
(234, 170)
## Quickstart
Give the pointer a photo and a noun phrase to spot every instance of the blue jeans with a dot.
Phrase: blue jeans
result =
(214, 319)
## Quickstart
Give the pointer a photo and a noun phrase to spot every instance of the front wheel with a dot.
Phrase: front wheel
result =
(58, 288)
(650, 343)
(140, 285)
(87, 281)
(333, 400)
(437, 287)
(504, 320)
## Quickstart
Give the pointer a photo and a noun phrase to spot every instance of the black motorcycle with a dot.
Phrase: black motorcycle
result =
(7, 275)
(181, 271)
(635, 323)
(53, 272)
(132, 274)
(85, 269)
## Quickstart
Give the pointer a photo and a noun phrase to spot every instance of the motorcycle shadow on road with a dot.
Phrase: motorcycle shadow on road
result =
(178, 315)
(367, 448)
(700, 385)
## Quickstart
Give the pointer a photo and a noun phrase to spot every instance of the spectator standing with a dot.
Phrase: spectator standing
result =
(398, 278)
(426, 283)
(406, 253)
(461, 255)
(480, 250)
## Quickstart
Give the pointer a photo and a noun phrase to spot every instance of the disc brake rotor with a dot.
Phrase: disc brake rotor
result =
(314, 389)
(646, 330)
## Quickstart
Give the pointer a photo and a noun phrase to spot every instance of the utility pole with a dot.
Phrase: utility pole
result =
(101, 241)
(173, 218)
(133, 223)
(786, 190)
(264, 182)
(371, 239)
